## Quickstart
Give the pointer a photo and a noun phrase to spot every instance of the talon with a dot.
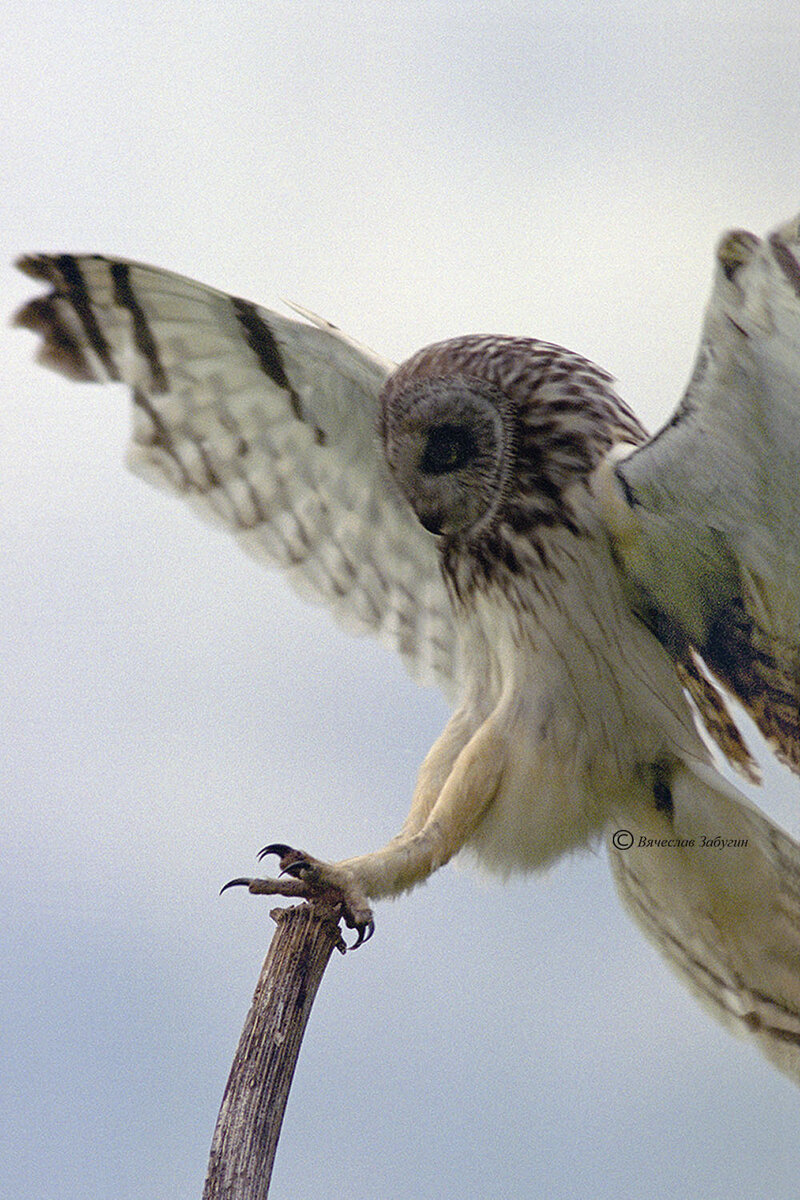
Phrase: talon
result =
(292, 862)
(274, 848)
(234, 883)
(296, 869)
(365, 932)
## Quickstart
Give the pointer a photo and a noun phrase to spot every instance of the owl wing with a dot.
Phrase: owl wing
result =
(705, 517)
(724, 911)
(264, 424)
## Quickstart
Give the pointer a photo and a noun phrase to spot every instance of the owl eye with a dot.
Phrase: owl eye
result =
(448, 448)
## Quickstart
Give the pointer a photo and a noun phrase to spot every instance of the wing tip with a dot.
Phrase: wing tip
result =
(36, 266)
(735, 249)
(60, 349)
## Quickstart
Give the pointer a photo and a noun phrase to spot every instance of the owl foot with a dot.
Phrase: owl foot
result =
(315, 880)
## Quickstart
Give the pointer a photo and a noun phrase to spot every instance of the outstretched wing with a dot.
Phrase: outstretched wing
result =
(716, 887)
(706, 515)
(263, 423)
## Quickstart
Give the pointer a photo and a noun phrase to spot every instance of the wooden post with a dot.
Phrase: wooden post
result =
(249, 1122)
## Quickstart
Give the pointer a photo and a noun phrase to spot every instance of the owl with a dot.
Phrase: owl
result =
(587, 596)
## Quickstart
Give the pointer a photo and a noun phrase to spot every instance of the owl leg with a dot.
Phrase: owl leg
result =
(435, 830)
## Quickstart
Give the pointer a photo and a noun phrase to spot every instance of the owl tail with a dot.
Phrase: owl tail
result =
(716, 887)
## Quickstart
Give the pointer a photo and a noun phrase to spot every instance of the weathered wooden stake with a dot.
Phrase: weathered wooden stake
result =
(249, 1122)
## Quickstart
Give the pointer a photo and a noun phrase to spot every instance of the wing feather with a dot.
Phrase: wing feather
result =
(266, 425)
(706, 517)
(715, 886)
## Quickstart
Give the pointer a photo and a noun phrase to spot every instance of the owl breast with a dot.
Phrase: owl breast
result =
(586, 699)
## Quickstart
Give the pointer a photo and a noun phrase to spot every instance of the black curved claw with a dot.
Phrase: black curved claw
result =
(296, 869)
(298, 862)
(364, 934)
(234, 883)
(274, 848)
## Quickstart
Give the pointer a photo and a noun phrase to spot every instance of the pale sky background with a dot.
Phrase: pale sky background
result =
(412, 171)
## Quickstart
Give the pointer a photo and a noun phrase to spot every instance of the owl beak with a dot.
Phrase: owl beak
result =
(432, 521)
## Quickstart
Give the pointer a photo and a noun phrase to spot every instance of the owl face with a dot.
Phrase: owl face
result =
(448, 444)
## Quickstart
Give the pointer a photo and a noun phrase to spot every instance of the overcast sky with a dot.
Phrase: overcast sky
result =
(412, 171)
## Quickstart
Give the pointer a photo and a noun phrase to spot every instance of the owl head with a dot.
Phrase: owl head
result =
(478, 430)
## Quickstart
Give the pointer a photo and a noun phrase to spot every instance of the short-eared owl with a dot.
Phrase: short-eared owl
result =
(493, 510)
